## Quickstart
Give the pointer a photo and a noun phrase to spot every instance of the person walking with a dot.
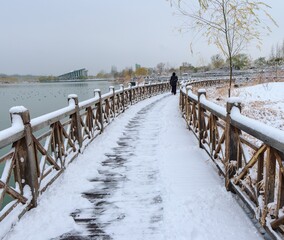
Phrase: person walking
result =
(173, 82)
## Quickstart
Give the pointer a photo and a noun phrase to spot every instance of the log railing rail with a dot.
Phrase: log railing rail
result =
(37, 151)
(249, 154)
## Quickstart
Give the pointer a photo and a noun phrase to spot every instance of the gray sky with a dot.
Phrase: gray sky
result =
(51, 37)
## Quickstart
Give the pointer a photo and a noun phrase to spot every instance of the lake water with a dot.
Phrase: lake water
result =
(42, 98)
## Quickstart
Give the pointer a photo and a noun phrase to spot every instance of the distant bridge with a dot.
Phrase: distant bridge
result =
(76, 74)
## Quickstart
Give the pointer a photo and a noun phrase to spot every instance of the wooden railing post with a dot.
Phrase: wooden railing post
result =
(130, 93)
(138, 93)
(181, 96)
(100, 108)
(201, 119)
(111, 89)
(150, 89)
(27, 153)
(156, 88)
(188, 89)
(269, 184)
(142, 92)
(280, 200)
(231, 142)
(182, 102)
(122, 97)
(77, 127)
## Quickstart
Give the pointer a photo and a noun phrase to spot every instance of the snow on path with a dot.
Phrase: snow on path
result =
(154, 181)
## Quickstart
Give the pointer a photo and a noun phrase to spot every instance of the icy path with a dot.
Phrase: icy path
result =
(144, 178)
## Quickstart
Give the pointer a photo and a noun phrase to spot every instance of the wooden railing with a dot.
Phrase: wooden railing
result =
(37, 151)
(209, 82)
(249, 154)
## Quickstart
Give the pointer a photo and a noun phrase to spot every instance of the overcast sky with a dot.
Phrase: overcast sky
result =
(51, 37)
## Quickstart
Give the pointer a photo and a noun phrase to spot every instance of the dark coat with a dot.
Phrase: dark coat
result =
(173, 80)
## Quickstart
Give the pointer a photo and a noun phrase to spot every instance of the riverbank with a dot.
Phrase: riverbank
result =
(11, 80)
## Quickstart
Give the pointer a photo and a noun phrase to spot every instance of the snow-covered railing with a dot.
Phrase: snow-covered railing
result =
(249, 154)
(208, 82)
(35, 152)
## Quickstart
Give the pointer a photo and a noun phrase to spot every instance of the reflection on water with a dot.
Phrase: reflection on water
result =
(42, 98)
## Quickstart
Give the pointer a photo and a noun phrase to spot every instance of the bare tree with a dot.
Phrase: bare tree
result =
(229, 24)
(160, 67)
(278, 51)
(217, 61)
(272, 53)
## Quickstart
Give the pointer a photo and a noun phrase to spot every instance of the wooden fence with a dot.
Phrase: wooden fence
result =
(249, 154)
(37, 151)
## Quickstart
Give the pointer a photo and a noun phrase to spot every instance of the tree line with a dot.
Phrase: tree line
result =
(240, 61)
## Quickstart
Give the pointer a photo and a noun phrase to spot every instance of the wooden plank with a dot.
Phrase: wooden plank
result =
(252, 161)
(7, 156)
(9, 210)
(50, 121)
(4, 142)
(89, 104)
(270, 166)
(13, 193)
(280, 192)
(249, 144)
(212, 111)
(219, 146)
(276, 223)
(260, 171)
(271, 141)
(68, 137)
(44, 152)
(221, 124)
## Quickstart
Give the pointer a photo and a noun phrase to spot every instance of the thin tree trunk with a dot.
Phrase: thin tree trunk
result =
(226, 32)
(231, 76)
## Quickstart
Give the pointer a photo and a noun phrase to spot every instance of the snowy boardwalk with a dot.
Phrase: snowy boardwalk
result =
(143, 178)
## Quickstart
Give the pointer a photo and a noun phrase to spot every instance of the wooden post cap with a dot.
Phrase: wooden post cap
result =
(98, 91)
(201, 92)
(73, 98)
(188, 87)
(21, 111)
(233, 102)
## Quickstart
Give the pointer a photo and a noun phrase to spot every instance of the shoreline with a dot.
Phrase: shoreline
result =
(16, 82)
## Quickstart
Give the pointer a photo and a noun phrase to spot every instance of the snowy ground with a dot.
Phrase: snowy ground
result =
(264, 102)
(167, 189)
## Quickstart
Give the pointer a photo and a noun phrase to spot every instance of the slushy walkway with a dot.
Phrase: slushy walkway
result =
(144, 178)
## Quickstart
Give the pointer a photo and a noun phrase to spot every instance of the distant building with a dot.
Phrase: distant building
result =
(137, 66)
(76, 74)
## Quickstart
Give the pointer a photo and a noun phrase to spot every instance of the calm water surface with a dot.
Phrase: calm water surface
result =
(39, 99)
(42, 98)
